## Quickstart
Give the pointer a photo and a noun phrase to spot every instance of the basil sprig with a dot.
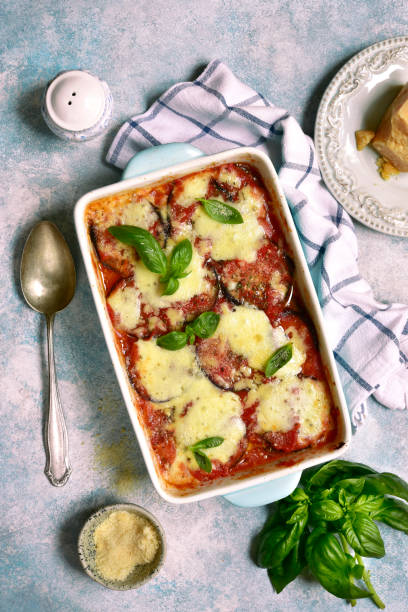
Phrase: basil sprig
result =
(203, 461)
(328, 518)
(223, 213)
(278, 359)
(154, 258)
(203, 326)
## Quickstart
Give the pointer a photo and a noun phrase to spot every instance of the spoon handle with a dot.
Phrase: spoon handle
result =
(58, 467)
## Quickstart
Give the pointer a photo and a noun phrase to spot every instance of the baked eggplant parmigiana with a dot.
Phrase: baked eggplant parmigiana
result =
(218, 345)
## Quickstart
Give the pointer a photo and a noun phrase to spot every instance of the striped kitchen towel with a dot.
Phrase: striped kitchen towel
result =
(218, 112)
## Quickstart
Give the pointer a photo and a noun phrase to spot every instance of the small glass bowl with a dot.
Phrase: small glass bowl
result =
(141, 573)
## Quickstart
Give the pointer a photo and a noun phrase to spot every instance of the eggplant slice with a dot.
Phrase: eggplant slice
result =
(266, 283)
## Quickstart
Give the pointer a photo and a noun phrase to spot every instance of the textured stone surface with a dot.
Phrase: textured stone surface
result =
(288, 51)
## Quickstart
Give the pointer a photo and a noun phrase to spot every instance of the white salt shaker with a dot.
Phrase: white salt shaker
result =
(77, 105)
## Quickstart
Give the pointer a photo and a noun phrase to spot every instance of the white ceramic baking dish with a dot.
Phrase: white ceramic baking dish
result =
(270, 483)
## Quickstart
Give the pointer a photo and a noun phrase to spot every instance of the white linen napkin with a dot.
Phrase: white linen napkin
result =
(218, 112)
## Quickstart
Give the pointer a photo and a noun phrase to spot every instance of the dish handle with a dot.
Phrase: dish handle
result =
(265, 493)
(159, 157)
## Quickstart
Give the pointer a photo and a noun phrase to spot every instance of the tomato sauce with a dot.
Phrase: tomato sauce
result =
(267, 284)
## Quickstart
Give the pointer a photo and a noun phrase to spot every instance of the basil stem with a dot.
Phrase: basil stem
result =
(223, 213)
(278, 359)
(366, 577)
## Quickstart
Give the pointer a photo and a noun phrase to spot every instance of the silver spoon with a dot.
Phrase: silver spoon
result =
(47, 276)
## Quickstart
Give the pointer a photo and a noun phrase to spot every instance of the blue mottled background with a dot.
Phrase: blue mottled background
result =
(287, 50)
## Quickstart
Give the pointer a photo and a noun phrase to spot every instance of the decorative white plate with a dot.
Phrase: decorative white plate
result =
(356, 99)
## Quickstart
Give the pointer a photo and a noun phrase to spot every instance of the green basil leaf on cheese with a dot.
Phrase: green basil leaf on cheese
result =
(171, 286)
(278, 359)
(207, 443)
(203, 327)
(205, 324)
(223, 213)
(145, 244)
(180, 258)
(203, 461)
(173, 341)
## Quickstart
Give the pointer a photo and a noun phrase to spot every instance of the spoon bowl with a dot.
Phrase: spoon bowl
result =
(48, 278)
(47, 270)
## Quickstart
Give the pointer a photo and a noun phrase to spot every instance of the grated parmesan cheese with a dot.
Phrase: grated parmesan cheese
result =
(123, 541)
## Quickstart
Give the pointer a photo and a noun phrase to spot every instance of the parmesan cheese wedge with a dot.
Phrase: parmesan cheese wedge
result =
(391, 138)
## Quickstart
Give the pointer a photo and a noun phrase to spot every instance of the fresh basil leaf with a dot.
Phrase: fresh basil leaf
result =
(394, 513)
(207, 443)
(329, 473)
(145, 244)
(350, 493)
(298, 495)
(329, 564)
(180, 258)
(386, 484)
(323, 494)
(326, 510)
(363, 535)
(278, 359)
(299, 514)
(352, 486)
(281, 575)
(171, 286)
(277, 542)
(223, 213)
(369, 504)
(343, 498)
(172, 341)
(357, 571)
(205, 324)
(203, 461)
(276, 538)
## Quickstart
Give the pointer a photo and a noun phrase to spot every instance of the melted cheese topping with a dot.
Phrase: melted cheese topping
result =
(140, 213)
(210, 412)
(125, 303)
(239, 241)
(151, 288)
(166, 374)
(250, 334)
(175, 316)
(194, 187)
(230, 177)
(284, 402)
